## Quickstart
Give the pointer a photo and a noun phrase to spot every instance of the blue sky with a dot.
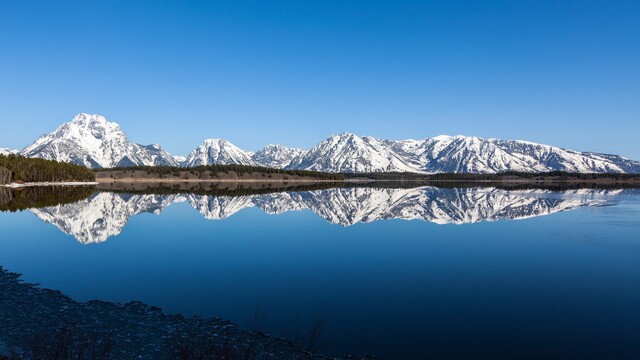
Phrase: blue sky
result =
(565, 73)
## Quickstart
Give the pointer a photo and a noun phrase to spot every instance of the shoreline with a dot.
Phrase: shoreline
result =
(538, 181)
(363, 180)
(49, 183)
(132, 330)
(159, 180)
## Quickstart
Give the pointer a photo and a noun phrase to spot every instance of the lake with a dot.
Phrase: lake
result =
(400, 273)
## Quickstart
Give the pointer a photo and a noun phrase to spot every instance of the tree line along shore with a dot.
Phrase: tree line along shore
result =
(263, 174)
(19, 169)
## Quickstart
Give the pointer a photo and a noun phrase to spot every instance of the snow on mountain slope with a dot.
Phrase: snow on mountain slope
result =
(5, 151)
(93, 141)
(350, 153)
(467, 154)
(554, 158)
(179, 159)
(278, 156)
(218, 152)
(457, 154)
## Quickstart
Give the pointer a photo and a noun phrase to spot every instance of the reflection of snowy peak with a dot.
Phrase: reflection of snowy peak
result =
(103, 215)
(279, 203)
(218, 207)
(442, 206)
(92, 141)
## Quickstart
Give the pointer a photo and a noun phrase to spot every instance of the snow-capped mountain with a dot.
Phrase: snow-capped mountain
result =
(351, 153)
(218, 152)
(179, 159)
(459, 154)
(92, 141)
(105, 214)
(5, 151)
(278, 156)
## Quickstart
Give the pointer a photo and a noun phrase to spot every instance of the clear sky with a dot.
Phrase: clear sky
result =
(565, 73)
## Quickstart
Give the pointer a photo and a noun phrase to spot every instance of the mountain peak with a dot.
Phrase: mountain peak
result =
(274, 146)
(278, 156)
(93, 120)
(346, 135)
(218, 152)
(215, 141)
(92, 141)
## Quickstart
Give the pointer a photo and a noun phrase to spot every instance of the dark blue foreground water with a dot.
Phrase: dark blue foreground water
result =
(477, 273)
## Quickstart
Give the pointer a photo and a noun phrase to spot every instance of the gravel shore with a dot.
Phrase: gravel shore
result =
(40, 323)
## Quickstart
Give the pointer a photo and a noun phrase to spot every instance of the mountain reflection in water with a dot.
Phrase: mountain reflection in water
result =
(104, 214)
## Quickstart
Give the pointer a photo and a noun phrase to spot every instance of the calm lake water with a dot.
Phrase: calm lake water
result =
(398, 273)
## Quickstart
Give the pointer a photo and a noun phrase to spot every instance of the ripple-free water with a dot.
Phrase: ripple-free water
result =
(397, 273)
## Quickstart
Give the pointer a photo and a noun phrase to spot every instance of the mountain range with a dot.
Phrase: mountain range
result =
(93, 141)
(104, 214)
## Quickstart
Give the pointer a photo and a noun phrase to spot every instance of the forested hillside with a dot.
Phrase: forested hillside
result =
(15, 168)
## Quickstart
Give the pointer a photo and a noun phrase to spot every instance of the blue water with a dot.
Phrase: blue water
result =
(558, 285)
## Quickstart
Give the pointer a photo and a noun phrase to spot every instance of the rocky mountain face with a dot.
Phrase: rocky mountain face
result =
(351, 153)
(278, 156)
(457, 154)
(218, 152)
(105, 214)
(92, 141)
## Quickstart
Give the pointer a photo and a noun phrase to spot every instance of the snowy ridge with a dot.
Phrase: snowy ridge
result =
(92, 141)
(350, 153)
(456, 154)
(105, 214)
(218, 152)
(278, 156)
(6, 151)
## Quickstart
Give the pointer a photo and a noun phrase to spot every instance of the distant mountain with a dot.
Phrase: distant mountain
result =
(5, 151)
(278, 156)
(92, 141)
(458, 154)
(218, 152)
(179, 159)
(351, 153)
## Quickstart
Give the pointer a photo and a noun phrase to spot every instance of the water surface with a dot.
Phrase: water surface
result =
(398, 273)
